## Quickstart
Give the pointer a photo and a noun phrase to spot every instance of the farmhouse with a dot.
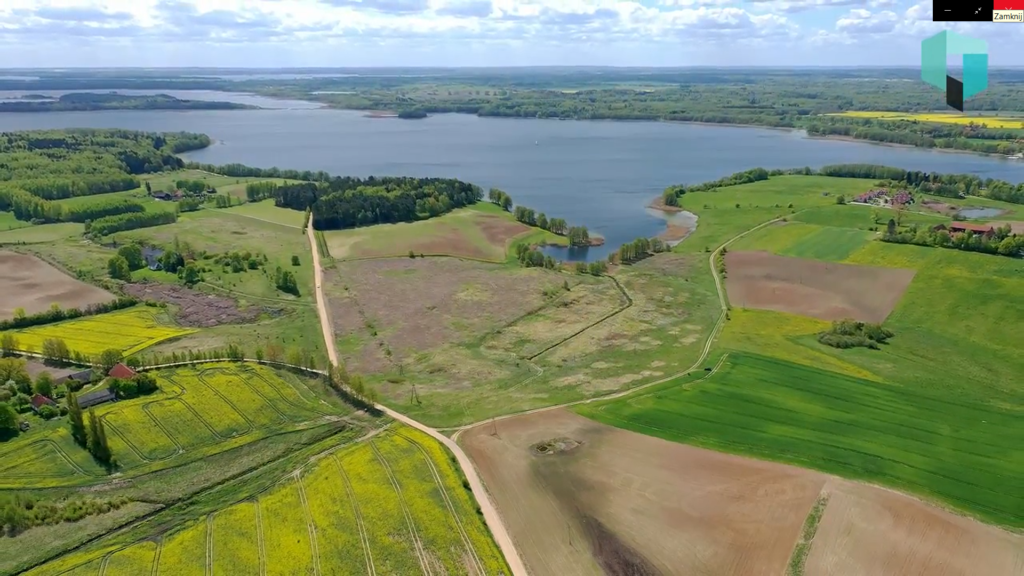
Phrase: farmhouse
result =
(95, 397)
(121, 372)
(83, 377)
(962, 227)
(38, 401)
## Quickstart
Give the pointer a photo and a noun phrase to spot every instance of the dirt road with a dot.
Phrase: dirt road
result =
(490, 513)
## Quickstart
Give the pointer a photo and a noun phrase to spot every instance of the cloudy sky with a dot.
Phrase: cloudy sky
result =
(275, 33)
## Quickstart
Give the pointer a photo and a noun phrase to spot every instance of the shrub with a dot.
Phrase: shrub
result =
(853, 334)
(47, 412)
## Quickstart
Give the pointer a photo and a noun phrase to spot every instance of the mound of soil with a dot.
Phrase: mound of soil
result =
(555, 446)
(195, 308)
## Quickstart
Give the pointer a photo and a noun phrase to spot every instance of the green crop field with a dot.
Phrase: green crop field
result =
(805, 241)
(41, 233)
(387, 505)
(198, 411)
(951, 448)
(719, 218)
(865, 217)
(131, 330)
(266, 211)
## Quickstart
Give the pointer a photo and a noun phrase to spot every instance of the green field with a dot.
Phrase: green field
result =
(457, 233)
(719, 217)
(266, 211)
(363, 508)
(41, 233)
(865, 217)
(198, 411)
(925, 441)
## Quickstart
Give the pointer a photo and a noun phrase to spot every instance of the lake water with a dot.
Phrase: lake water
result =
(599, 174)
(974, 213)
(203, 95)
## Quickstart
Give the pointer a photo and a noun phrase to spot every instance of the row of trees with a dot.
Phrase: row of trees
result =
(1001, 241)
(122, 222)
(93, 438)
(57, 314)
(950, 185)
(532, 258)
(638, 250)
(30, 208)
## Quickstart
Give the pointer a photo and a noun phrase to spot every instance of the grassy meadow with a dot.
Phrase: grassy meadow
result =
(726, 212)
(389, 504)
(924, 441)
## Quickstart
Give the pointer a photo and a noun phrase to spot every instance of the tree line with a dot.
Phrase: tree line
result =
(58, 314)
(950, 185)
(122, 222)
(577, 235)
(1001, 242)
(30, 208)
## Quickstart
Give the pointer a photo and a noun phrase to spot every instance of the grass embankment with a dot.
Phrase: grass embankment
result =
(386, 505)
(923, 441)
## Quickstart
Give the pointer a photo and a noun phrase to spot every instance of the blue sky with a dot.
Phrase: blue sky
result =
(276, 33)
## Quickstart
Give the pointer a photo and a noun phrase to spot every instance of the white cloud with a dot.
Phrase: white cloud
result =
(470, 32)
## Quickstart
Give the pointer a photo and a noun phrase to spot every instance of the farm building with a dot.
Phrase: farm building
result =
(83, 377)
(962, 227)
(121, 372)
(95, 397)
(38, 401)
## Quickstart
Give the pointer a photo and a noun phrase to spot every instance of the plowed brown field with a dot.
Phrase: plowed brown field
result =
(868, 531)
(28, 282)
(825, 290)
(622, 503)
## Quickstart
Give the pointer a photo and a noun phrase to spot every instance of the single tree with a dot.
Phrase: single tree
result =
(44, 384)
(118, 269)
(98, 445)
(77, 421)
(8, 344)
(108, 358)
(890, 228)
(132, 254)
(14, 370)
(56, 350)
(259, 353)
(8, 421)
(295, 260)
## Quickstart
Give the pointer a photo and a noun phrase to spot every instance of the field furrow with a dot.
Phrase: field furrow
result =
(364, 539)
(338, 536)
(233, 388)
(142, 433)
(236, 547)
(186, 428)
(135, 559)
(389, 538)
(286, 532)
(426, 562)
(213, 409)
(184, 552)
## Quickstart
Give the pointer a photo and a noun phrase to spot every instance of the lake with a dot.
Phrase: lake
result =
(601, 174)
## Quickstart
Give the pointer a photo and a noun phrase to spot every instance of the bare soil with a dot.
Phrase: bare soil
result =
(869, 531)
(195, 308)
(419, 305)
(30, 283)
(498, 231)
(824, 290)
(35, 368)
(674, 233)
(1015, 227)
(604, 501)
(940, 207)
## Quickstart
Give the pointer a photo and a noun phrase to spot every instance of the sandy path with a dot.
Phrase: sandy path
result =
(490, 513)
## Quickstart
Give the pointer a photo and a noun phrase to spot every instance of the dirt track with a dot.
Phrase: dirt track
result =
(28, 282)
(490, 513)
(825, 290)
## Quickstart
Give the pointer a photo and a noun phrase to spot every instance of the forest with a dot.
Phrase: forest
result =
(88, 101)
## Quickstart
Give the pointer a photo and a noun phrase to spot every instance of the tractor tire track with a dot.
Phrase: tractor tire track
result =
(448, 503)
(363, 538)
(160, 425)
(310, 525)
(209, 544)
(417, 544)
(155, 570)
(259, 538)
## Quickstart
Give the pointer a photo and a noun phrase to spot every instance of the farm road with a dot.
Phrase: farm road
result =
(490, 512)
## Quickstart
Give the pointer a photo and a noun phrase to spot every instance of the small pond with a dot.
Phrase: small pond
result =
(975, 213)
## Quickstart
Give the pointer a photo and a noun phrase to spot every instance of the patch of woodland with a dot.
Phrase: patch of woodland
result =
(19, 513)
(854, 334)
(1001, 241)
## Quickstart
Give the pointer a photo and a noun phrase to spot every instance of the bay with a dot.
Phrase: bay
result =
(601, 174)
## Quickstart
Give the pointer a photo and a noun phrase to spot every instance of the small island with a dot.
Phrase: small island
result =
(90, 101)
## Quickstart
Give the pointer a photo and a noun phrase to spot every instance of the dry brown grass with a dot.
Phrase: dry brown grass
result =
(30, 283)
(419, 305)
(824, 290)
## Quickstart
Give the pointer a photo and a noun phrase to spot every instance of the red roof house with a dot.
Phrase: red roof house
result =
(121, 372)
(38, 401)
(962, 227)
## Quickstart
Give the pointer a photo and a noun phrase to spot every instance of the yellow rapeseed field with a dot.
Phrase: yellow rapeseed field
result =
(211, 407)
(348, 494)
(234, 385)
(236, 550)
(135, 559)
(184, 552)
(135, 426)
(130, 331)
(187, 429)
(942, 118)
